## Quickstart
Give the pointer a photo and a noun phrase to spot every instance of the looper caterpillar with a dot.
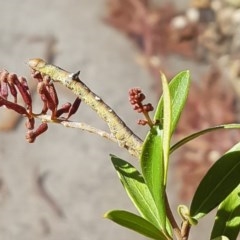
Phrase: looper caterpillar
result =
(125, 137)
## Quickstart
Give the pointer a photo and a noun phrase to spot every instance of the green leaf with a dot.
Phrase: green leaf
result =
(221, 179)
(137, 190)
(152, 160)
(155, 157)
(153, 169)
(167, 116)
(179, 88)
(135, 223)
(227, 221)
(200, 133)
(221, 238)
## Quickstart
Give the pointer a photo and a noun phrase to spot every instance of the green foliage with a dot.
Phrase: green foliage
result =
(178, 87)
(147, 187)
(227, 221)
(200, 133)
(152, 166)
(135, 223)
(221, 238)
(137, 190)
(221, 179)
(167, 127)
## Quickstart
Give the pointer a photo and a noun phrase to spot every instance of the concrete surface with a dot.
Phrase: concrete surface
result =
(79, 176)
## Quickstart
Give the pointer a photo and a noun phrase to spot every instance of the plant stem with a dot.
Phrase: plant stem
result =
(123, 135)
(149, 120)
(172, 220)
(185, 229)
(79, 125)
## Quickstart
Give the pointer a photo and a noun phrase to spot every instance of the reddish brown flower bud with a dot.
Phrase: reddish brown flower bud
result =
(52, 91)
(17, 108)
(148, 107)
(74, 107)
(3, 75)
(37, 75)
(13, 91)
(30, 123)
(32, 135)
(141, 97)
(138, 108)
(136, 96)
(41, 129)
(4, 90)
(134, 91)
(12, 78)
(64, 109)
(142, 122)
(45, 107)
(22, 89)
(24, 83)
(132, 101)
(46, 97)
(11, 81)
(43, 97)
(40, 87)
(46, 80)
(3, 84)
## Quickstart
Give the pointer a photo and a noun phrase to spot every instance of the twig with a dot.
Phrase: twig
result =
(172, 220)
(124, 136)
(185, 230)
(79, 125)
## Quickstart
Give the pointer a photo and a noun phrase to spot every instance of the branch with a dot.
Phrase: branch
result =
(79, 125)
(172, 220)
(124, 136)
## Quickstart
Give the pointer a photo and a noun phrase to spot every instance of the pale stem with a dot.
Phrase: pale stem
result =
(78, 125)
(124, 136)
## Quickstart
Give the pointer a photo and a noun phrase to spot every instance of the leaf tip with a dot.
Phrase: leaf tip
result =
(106, 215)
(163, 76)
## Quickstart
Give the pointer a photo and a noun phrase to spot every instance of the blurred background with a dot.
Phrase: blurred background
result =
(59, 187)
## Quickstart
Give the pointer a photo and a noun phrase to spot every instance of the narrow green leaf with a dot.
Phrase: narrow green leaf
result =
(167, 116)
(135, 223)
(152, 160)
(227, 221)
(153, 169)
(221, 238)
(179, 88)
(200, 133)
(234, 148)
(221, 179)
(137, 190)
(155, 157)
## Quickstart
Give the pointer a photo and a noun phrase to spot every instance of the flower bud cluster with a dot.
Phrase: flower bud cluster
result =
(136, 98)
(11, 85)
